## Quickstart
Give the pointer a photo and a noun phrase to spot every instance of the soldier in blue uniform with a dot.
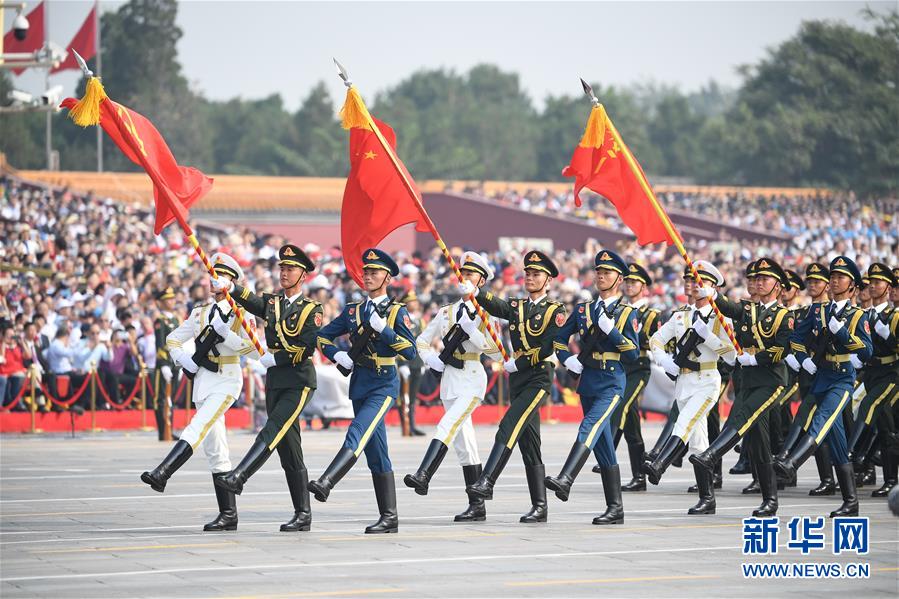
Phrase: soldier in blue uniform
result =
(846, 344)
(379, 330)
(608, 330)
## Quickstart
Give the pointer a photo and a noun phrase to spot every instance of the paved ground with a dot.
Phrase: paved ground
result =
(76, 522)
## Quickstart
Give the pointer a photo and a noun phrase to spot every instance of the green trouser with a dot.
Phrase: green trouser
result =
(521, 422)
(879, 389)
(161, 397)
(282, 431)
(626, 416)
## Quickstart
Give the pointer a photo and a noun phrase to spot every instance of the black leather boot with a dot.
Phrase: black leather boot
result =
(718, 477)
(536, 475)
(499, 457)
(768, 483)
(857, 439)
(429, 465)
(868, 475)
(706, 504)
(297, 484)
(660, 442)
(890, 471)
(792, 436)
(477, 509)
(724, 442)
(234, 481)
(611, 488)
(847, 488)
(803, 449)
(673, 449)
(742, 466)
(385, 493)
(227, 518)
(335, 471)
(561, 484)
(638, 479)
(159, 476)
(825, 473)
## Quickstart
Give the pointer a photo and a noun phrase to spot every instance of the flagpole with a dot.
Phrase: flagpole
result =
(99, 73)
(424, 214)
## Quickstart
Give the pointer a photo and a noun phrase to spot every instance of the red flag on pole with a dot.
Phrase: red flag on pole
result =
(175, 188)
(375, 200)
(84, 42)
(601, 163)
(34, 40)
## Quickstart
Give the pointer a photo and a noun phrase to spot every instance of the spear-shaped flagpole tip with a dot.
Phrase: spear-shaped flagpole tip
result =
(589, 91)
(82, 65)
(342, 73)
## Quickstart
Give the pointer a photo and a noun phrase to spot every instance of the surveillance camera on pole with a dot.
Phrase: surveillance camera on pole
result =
(20, 98)
(52, 96)
(20, 26)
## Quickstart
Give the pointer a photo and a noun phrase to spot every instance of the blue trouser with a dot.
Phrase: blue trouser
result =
(367, 432)
(827, 422)
(596, 428)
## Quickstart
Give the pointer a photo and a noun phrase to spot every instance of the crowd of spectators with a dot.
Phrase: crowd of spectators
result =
(80, 272)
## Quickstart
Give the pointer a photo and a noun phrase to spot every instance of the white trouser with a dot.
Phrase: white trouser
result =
(213, 395)
(461, 391)
(695, 394)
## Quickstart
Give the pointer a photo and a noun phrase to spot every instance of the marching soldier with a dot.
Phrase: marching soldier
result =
(411, 370)
(220, 341)
(165, 375)
(533, 325)
(743, 465)
(626, 416)
(763, 330)
(844, 336)
(379, 332)
(291, 326)
(463, 383)
(701, 341)
(608, 330)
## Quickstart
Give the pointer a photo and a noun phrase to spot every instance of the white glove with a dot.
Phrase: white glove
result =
(404, 371)
(344, 360)
(702, 329)
(220, 284)
(166, 373)
(187, 363)
(471, 328)
(574, 365)
(509, 366)
(267, 359)
(667, 363)
(835, 325)
(882, 329)
(376, 322)
(466, 288)
(809, 366)
(434, 363)
(175, 354)
(728, 359)
(853, 359)
(792, 362)
(605, 323)
(747, 360)
(220, 325)
(706, 291)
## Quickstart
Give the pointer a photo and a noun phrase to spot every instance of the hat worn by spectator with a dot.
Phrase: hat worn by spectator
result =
(537, 260)
(708, 273)
(750, 269)
(474, 262)
(319, 282)
(410, 296)
(896, 277)
(609, 260)
(291, 255)
(845, 265)
(223, 264)
(635, 272)
(794, 281)
(766, 267)
(379, 259)
(816, 270)
(165, 294)
(879, 270)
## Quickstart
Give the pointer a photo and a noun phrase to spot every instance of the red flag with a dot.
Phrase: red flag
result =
(376, 202)
(84, 42)
(175, 188)
(599, 163)
(34, 40)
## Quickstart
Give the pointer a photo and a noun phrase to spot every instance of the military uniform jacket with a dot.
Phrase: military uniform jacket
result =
(763, 331)
(533, 326)
(165, 323)
(707, 351)
(290, 334)
(884, 361)
(378, 367)
(853, 338)
(647, 324)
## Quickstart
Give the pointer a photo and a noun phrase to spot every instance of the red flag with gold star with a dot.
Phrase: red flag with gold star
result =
(375, 200)
(600, 163)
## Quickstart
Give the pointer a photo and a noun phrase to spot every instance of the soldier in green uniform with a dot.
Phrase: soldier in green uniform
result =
(411, 370)
(533, 324)
(165, 375)
(763, 330)
(291, 328)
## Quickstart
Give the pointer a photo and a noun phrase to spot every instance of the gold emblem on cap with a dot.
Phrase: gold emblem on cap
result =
(814, 268)
(875, 268)
(371, 256)
(534, 257)
(763, 264)
(605, 256)
(633, 268)
(840, 262)
(288, 251)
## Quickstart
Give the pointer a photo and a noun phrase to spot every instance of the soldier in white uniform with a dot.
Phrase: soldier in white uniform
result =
(701, 341)
(462, 385)
(220, 341)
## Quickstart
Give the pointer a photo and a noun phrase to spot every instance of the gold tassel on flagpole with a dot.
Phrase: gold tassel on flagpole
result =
(595, 133)
(86, 111)
(354, 114)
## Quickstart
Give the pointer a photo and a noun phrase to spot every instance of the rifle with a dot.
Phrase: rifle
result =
(206, 342)
(364, 335)
(452, 341)
(685, 347)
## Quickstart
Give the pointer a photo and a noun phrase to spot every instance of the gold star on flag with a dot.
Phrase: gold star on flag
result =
(370, 155)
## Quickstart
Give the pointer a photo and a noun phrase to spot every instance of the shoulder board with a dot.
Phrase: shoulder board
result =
(554, 302)
(396, 303)
(653, 310)
(681, 309)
